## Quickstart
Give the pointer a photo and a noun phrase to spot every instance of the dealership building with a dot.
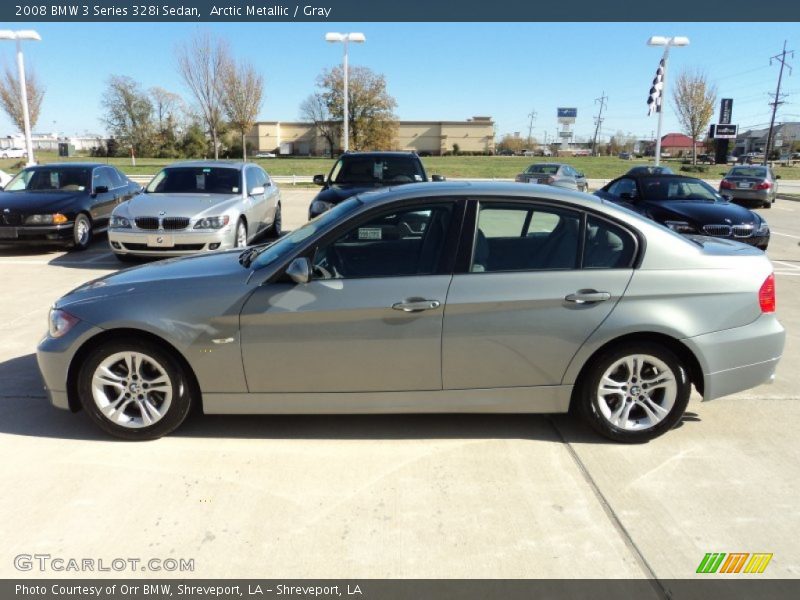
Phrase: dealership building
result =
(475, 135)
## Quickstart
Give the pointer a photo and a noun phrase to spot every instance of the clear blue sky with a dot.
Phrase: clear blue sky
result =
(436, 71)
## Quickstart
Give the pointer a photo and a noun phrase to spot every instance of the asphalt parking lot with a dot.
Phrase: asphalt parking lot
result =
(394, 496)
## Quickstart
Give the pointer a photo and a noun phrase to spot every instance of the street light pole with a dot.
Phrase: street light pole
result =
(345, 39)
(18, 37)
(667, 42)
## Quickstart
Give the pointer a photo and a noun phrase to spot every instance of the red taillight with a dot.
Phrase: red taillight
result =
(726, 185)
(766, 295)
(764, 185)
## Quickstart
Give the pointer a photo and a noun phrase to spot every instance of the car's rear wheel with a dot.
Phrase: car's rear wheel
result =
(768, 204)
(240, 239)
(634, 392)
(134, 389)
(81, 232)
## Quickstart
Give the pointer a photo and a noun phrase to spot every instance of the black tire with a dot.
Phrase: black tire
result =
(588, 402)
(276, 229)
(82, 238)
(767, 204)
(240, 225)
(178, 382)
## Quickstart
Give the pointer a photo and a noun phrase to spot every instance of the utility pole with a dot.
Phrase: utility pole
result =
(777, 102)
(599, 119)
(532, 116)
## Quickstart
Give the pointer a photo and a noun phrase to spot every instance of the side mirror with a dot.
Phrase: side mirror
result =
(438, 178)
(258, 190)
(101, 189)
(319, 179)
(580, 175)
(299, 270)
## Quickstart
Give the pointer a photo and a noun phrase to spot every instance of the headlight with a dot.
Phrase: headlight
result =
(212, 222)
(118, 222)
(680, 226)
(60, 322)
(56, 219)
(319, 207)
(763, 228)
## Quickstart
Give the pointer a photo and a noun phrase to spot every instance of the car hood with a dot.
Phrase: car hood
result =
(214, 272)
(176, 205)
(340, 193)
(702, 212)
(36, 202)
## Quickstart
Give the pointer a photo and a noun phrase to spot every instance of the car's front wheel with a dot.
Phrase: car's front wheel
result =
(634, 392)
(134, 389)
(82, 232)
(240, 237)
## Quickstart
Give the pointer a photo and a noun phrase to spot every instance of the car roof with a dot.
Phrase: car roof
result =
(657, 176)
(70, 164)
(547, 164)
(227, 164)
(380, 153)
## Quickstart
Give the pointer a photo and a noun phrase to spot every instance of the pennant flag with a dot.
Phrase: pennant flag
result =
(654, 99)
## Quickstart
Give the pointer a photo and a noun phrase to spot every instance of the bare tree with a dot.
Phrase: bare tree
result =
(166, 105)
(201, 64)
(11, 98)
(243, 88)
(315, 109)
(129, 114)
(694, 100)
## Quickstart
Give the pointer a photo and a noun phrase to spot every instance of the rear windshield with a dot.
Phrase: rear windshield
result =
(663, 188)
(377, 170)
(543, 169)
(196, 180)
(55, 179)
(748, 172)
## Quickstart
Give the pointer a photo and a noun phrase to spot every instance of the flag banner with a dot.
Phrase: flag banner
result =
(654, 99)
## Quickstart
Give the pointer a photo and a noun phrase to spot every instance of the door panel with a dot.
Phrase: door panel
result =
(342, 335)
(518, 329)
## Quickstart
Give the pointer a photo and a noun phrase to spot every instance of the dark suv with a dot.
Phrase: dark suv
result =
(357, 172)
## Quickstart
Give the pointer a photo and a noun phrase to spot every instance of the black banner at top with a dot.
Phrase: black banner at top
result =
(391, 11)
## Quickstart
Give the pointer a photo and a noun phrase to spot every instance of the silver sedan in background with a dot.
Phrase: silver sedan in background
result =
(194, 207)
(555, 174)
(450, 298)
(752, 185)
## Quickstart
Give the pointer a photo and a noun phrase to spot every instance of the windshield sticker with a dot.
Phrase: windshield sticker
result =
(417, 177)
(201, 181)
(377, 170)
(234, 190)
(370, 233)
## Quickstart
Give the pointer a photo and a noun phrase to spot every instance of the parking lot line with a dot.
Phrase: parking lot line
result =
(789, 235)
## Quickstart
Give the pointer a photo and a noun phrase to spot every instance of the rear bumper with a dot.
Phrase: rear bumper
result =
(179, 243)
(35, 233)
(754, 196)
(741, 358)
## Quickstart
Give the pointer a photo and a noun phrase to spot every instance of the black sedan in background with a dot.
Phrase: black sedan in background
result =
(688, 206)
(66, 203)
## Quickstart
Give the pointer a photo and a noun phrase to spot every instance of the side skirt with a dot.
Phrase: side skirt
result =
(540, 399)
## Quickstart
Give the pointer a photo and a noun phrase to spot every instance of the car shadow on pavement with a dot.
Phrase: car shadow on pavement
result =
(26, 411)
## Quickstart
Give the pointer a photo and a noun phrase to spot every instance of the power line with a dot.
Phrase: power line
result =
(777, 102)
(603, 99)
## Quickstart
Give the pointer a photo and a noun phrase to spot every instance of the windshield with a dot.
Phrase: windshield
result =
(51, 179)
(196, 180)
(543, 169)
(376, 170)
(288, 243)
(748, 172)
(664, 189)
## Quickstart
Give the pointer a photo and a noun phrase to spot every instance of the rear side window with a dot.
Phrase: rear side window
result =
(607, 246)
(525, 238)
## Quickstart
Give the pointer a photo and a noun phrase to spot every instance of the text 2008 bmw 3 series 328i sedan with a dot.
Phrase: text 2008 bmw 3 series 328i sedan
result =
(457, 297)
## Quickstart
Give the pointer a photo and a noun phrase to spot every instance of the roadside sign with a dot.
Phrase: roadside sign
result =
(725, 111)
(723, 131)
(567, 115)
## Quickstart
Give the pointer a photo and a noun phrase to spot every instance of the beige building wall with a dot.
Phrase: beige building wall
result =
(433, 137)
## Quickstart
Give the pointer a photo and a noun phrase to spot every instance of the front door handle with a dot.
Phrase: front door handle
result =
(587, 297)
(416, 305)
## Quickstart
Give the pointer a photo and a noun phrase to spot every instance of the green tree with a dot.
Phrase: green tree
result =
(194, 143)
(243, 88)
(129, 115)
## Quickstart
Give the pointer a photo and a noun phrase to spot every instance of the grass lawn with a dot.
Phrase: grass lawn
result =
(500, 167)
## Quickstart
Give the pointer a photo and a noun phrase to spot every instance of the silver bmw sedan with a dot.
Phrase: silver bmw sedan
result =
(453, 298)
(197, 206)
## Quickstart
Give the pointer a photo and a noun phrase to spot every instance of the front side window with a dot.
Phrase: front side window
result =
(102, 178)
(196, 180)
(525, 238)
(406, 242)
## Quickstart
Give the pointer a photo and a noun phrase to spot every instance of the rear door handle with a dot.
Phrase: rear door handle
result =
(416, 305)
(587, 297)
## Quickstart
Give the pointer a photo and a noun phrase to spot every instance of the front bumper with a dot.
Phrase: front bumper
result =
(35, 233)
(172, 243)
(54, 356)
(741, 358)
